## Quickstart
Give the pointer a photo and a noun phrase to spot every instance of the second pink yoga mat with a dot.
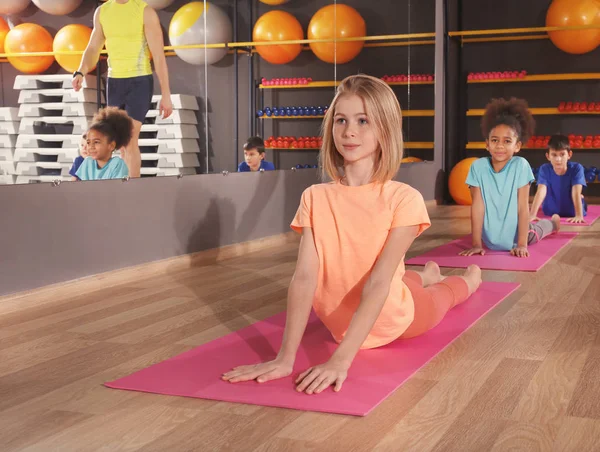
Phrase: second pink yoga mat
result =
(375, 373)
(539, 254)
(593, 213)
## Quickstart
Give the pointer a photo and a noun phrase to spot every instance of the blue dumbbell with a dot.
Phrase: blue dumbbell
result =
(268, 113)
(260, 113)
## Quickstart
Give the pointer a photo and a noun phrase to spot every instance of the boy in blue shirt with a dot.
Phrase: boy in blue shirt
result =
(254, 155)
(499, 184)
(111, 129)
(80, 158)
(560, 184)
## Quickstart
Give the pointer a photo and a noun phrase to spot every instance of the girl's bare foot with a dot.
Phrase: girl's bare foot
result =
(431, 274)
(473, 278)
(556, 222)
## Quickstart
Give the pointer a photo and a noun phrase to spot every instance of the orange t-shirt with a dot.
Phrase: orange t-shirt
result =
(350, 227)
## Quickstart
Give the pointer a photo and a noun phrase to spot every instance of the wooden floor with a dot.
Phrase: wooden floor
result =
(525, 377)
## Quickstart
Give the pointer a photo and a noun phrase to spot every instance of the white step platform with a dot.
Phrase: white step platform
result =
(52, 81)
(40, 179)
(41, 96)
(8, 141)
(58, 155)
(9, 114)
(172, 160)
(177, 117)
(9, 127)
(7, 179)
(170, 132)
(42, 169)
(42, 141)
(80, 123)
(179, 101)
(6, 154)
(167, 171)
(57, 109)
(7, 168)
(168, 146)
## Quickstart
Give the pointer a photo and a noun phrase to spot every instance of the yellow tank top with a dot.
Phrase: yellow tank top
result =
(123, 27)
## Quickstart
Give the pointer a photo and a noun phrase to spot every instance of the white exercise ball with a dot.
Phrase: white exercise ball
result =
(159, 4)
(187, 28)
(57, 7)
(13, 6)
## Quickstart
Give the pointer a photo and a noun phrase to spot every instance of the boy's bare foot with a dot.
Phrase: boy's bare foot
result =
(556, 222)
(473, 278)
(431, 274)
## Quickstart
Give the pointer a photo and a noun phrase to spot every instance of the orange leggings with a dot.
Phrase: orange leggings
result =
(432, 302)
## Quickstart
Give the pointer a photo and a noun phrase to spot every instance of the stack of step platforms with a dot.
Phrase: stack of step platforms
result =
(53, 118)
(9, 129)
(170, 146)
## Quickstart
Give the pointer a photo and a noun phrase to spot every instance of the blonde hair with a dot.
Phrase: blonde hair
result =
(384, 113)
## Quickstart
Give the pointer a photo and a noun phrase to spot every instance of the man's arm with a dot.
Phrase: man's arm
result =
(154, 37)
(92, 52)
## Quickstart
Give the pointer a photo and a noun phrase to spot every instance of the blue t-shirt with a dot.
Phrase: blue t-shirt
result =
(500, 197)
(76, 164)
(267, 166)
(558, 197)
(115, 168)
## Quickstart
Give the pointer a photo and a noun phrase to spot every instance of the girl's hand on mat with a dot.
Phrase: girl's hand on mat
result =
(520, 251)
(318, 378)
(472, 251)
(271, 370)
(576, 219)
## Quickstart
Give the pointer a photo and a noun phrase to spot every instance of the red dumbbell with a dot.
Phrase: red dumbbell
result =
(578, 143)
(596, 143)
(583, 106)
(561, 106)
(591, 106)
(569, 106)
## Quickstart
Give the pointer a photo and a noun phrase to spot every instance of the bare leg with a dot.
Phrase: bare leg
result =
(556, 222)
(131, 154)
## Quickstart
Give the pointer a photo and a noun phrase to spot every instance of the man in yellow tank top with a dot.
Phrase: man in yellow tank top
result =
(131, 30)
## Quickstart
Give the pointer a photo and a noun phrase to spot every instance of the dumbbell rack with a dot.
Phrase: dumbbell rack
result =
(53, 117)
(170, 146)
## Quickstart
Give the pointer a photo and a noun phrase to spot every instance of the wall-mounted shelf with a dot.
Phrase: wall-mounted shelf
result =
(332, 84)
(540, 111)
(407, 145)
(405, 113)
(543, 78)
(481, 145)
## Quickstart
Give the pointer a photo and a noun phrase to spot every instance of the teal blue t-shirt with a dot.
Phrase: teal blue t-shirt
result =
(115, 168)
(500, 197)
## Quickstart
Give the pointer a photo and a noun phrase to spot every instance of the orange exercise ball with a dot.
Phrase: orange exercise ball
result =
(278, 26)
(456, 182)
(71, 38)
(569, 13)
(274, 2)
(348, 24)
(4, 29)
(29, 38)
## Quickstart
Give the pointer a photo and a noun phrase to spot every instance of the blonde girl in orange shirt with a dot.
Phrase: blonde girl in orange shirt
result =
(355, 233)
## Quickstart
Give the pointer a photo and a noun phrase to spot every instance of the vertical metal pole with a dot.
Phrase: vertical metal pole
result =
(251, 106)
(237, 88)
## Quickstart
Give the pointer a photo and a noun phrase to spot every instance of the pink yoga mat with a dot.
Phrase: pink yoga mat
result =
(593, 213)
(539, 254)
(374, 375)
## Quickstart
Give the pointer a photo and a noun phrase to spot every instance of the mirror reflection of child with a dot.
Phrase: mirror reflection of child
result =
(83, 153)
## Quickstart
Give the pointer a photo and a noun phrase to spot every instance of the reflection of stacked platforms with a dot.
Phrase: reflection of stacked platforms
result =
(9, 128)
(170, 146)
(53, 117)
